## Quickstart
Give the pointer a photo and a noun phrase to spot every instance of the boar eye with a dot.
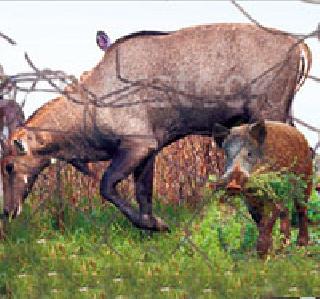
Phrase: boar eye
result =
(249, 154)
(9, 168)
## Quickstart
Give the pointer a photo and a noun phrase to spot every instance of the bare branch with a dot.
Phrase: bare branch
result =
(273, 31)
(8, 39)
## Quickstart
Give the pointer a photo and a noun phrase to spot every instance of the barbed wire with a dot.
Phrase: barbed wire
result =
(299, 36)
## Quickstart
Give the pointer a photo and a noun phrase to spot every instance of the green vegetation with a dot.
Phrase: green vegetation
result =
(278, 187)
(210, 253)
(314, 208)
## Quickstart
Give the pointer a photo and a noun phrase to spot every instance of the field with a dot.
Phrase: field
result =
(96, 253)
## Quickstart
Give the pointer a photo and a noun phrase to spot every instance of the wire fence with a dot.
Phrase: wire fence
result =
(181, 169)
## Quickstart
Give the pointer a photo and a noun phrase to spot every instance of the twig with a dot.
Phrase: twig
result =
(273, 31)
(8, 39)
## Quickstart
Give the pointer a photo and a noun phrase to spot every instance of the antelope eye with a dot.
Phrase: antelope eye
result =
(9, 168)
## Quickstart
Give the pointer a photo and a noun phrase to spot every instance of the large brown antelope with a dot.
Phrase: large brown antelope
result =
(150, 89)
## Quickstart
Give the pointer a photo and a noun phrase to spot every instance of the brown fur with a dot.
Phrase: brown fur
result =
(283, 145)
(284, 148)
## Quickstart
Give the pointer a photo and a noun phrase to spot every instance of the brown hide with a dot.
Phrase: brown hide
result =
(284, 148)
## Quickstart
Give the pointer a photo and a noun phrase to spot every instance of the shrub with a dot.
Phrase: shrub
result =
(277, 187)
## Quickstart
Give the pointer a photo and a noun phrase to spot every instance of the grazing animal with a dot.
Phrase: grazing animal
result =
(270, 146)
(149, 90)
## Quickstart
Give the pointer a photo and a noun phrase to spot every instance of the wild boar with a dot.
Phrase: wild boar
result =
(270, 146)
(149, 90)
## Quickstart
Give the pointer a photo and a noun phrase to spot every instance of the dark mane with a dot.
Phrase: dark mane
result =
(141, 33)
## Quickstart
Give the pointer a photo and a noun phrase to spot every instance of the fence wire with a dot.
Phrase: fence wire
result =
(28, 82)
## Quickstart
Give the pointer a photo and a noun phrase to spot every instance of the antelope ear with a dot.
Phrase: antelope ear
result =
(258, 132)
(219, 133)
(20, 146)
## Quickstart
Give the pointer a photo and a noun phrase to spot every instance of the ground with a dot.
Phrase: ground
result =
(210, 253)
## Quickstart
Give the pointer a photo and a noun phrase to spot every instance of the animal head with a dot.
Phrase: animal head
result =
(19, 168)
(243, 147)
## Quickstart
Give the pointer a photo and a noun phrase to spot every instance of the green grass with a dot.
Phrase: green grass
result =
(100, 255)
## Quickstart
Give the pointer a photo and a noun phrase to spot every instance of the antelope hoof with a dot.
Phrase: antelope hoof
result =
(161, 226)
(154, 223)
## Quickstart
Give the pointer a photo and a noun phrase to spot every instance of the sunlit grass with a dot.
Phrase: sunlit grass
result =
(100, 255)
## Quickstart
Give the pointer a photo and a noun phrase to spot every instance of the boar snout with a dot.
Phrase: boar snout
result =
(233, 186)
(236, 179)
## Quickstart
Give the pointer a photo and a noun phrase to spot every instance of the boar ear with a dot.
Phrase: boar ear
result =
(258, 131)
(219, 133)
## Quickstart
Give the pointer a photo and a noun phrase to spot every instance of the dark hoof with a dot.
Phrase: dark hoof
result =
(302, 241)
(263, 247)
(153, 223)
(262, 255)
(161, 225)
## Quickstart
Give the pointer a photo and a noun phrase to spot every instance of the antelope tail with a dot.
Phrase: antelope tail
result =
(304, 66)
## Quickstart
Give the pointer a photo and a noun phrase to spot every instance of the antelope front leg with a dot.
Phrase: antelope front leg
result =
(125, 161)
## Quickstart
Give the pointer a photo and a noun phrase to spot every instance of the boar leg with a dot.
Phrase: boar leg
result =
(123, 163)
(265, 227)
(303, 236)
(255, 213)
(285, 225)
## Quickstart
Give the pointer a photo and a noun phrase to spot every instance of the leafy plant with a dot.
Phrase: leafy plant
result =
(314, 207)
(277, 187)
